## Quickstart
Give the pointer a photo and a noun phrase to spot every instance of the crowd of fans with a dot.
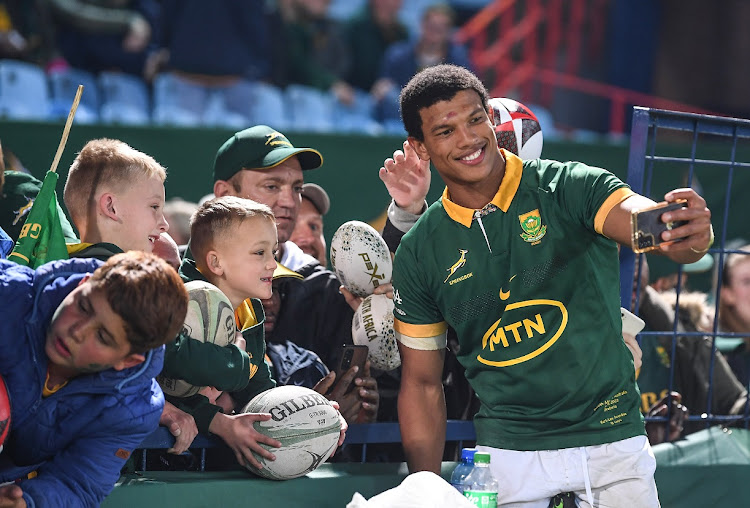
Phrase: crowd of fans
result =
(305, 64)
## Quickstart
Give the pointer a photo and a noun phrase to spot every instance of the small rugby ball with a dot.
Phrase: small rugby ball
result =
(4, 413)
(210, 318)
(360, 258)
(372, 326)
(305, 423)
(517, 128)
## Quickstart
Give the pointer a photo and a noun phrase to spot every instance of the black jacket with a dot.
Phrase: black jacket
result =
(314, 314)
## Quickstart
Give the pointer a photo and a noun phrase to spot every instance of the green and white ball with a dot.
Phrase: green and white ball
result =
(372, 326)
(360, 258)
(210, 318)
(305, 423)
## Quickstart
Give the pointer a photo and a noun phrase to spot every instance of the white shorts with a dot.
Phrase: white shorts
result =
(618, 475)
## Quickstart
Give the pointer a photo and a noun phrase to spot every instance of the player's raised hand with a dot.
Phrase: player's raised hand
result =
(697, 233)
(407, 178)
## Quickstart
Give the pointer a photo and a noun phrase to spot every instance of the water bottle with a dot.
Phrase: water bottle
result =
(480, 487)
(463, 469)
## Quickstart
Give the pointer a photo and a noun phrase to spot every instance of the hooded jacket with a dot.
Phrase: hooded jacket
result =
(78, 439)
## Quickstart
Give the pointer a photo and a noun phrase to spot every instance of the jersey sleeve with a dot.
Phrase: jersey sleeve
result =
(416, 316)
(585, 192)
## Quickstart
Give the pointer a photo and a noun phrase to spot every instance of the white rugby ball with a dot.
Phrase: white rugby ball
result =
(303, 421)
(210, 318)
(517, 128)
(360, 258)
(372, 326)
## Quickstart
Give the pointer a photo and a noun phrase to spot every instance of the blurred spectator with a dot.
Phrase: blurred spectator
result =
(105, 35)
(317, 52)
(177, 211)
(404, 59)
(308, 230)
(13, 43)
(369, 34)
(734, 308)
(466, 9)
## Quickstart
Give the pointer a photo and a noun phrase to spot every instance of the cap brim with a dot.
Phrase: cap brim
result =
(308, 157)
(283, 271)
(318, 196)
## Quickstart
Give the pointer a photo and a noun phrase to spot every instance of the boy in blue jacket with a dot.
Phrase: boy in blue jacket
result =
(79, 356)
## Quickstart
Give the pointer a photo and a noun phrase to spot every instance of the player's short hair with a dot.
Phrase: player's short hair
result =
(105, 164)
(217, 217)
(432, 85)
(147, 294)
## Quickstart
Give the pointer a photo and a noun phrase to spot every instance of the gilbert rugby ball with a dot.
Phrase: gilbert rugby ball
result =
(372, 326)
(210, 318)
(303, 421)
(360, 258)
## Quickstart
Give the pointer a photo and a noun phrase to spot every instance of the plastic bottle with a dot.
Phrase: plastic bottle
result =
(480, 487)
(463, 469)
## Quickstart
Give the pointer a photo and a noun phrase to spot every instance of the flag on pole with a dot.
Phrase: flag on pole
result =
(41, 239)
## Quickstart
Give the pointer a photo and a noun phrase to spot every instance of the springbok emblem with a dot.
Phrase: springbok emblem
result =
(458, 264)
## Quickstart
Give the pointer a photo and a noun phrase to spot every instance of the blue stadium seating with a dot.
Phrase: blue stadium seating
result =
(63, 86)
(310, 109)
(24, 93)
(125, 99)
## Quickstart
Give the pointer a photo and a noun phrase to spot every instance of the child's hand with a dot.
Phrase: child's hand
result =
(11, 496)
(238, 432)
(239, 341)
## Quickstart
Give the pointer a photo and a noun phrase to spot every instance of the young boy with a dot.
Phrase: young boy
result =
(80, 352)
(115, 197)
(233, 241)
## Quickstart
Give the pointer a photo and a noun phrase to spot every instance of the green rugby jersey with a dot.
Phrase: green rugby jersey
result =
(534, 299)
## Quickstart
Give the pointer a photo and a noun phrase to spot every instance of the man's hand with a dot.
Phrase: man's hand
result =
(407, 179)
(632, 344)
(238, 432)
(181, 425)
(369, 396)
(355, 301)
(11, 496)
(656, 431)
(138, 36)
(697, 234)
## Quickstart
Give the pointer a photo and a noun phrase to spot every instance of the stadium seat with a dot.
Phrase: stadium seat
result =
(24, 94)
(310, 109)
(267, 107)
(356, 118)
(177, 102)
(63, 86)
(125, 99)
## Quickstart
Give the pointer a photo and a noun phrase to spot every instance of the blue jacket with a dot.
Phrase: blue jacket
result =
(79, 438)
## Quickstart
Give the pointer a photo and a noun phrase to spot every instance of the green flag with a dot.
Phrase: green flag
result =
(41, 239)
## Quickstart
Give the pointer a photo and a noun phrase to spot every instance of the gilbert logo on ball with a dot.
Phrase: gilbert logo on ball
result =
(360, 258)
(305, 423)
(210, 318)
(372, 326)
(517, 128)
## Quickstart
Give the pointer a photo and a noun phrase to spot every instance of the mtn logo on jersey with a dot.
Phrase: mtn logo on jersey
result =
(533, 230)
(455, 266)
(522, 333)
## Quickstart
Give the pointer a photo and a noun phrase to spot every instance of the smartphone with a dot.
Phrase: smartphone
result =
(351, 355)
(647, 225)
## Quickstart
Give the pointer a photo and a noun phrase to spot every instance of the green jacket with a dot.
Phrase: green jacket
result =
(246, 372)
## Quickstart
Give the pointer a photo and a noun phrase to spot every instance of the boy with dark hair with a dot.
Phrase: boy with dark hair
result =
(80, 352)
(520, 259)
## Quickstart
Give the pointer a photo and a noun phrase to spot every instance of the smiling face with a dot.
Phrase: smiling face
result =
(86, 335)
(308, 232)
(735, 296)
(136, 215)
(279, 187)
(460, 141)
(242, 260)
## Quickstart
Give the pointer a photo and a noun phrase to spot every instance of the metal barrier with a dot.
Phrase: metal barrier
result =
(657, 143)
(459, 431)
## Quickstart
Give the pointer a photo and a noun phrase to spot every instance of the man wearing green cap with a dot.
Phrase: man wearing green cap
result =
(261, 164)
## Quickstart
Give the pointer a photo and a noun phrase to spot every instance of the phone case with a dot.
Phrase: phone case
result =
(352, 354)
(647, 226)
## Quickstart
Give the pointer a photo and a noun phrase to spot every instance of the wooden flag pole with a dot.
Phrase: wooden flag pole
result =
(66, 132)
